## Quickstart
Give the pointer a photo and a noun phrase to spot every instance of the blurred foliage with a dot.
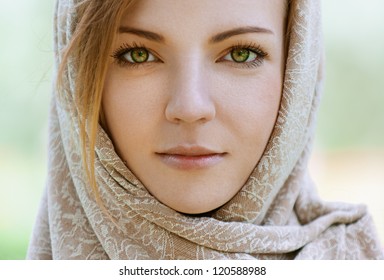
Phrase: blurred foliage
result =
(26, 60)
(351, 113)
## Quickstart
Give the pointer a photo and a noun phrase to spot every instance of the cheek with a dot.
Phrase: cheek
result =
(254, 104)
(129, 112)
(258, 117)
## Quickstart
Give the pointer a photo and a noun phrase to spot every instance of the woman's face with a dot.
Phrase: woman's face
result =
(192, 95)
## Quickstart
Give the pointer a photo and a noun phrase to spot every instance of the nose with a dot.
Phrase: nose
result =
(190, 100)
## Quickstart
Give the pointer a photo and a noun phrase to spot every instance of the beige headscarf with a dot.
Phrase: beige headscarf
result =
(276, 215)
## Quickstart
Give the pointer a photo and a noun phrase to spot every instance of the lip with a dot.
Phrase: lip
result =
(190, 157)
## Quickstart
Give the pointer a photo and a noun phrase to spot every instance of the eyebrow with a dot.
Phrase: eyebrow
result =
(142, 33)
(238, 31)
(214, 39)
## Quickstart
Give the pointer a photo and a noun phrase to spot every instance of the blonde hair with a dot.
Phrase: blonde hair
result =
(89, 49)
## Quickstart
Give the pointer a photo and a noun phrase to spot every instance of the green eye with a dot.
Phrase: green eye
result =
(240, 55)
(138, 55)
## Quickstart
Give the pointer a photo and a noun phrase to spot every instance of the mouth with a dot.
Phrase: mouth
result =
(190, 157)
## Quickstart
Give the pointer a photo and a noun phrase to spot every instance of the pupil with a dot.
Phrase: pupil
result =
(240, 55)
(139, 55)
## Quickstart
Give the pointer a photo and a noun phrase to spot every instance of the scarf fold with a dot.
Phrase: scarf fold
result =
(276, 215)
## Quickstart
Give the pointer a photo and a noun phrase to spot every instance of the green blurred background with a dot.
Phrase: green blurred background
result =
(348, 161)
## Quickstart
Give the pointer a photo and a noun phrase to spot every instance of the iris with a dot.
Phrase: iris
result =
(241, 55)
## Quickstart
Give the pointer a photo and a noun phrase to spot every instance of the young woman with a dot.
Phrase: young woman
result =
(182, 130)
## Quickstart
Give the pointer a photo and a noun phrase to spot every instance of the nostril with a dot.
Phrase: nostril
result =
(202, 112)
(190, 108)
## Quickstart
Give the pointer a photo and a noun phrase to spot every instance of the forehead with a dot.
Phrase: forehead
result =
(191, 19)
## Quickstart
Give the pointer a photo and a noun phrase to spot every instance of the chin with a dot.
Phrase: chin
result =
(195, 195)
(195, 209)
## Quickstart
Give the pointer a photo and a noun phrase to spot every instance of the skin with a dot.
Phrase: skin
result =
(191, 94)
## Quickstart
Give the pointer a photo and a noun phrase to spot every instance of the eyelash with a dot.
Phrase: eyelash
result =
(124, 49)
(261, 55)
(256, 49)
